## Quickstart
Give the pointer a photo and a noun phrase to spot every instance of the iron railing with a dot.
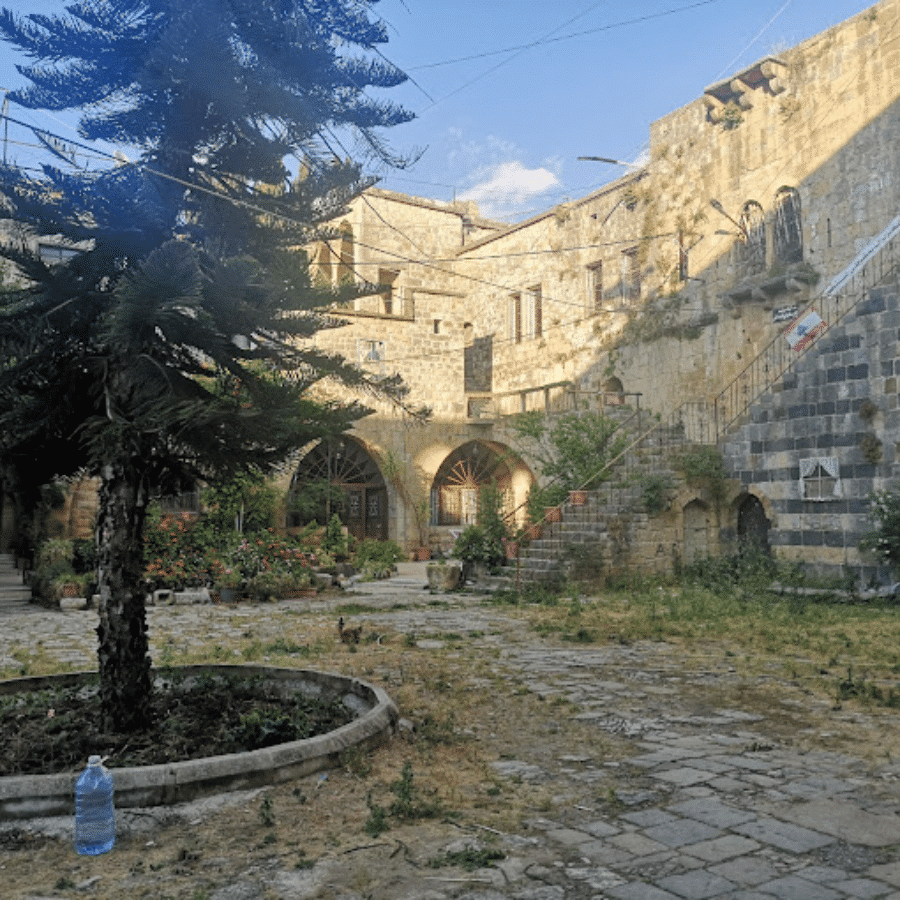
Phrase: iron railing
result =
(872, 266)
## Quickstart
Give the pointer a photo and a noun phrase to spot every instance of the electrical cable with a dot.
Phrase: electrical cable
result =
(566, 37)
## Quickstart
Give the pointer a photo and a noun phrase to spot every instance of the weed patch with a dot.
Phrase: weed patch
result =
(407, 806)
(468, 859)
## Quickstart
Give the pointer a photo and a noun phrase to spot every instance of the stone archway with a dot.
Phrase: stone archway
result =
(460, 479)
(752, 525)
(695, 517)
(359, 494)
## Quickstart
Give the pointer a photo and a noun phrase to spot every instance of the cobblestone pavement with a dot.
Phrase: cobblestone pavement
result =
(716, 808)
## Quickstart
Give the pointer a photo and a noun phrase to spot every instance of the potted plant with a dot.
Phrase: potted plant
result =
(68, 584)
(294, 585)
(230, 582)
(264, 587)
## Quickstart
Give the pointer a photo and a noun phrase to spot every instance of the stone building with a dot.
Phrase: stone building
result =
(672, 290)
(662, 290)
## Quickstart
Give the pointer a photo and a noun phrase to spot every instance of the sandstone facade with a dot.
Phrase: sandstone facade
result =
(658, 291)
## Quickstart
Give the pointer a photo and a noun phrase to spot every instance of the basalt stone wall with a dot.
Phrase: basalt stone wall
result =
(817, 445)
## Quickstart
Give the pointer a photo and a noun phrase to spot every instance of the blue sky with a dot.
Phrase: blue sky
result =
(508, 93)
(506, 129)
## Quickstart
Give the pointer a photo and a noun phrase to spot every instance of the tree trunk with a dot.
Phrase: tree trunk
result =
(123, 651)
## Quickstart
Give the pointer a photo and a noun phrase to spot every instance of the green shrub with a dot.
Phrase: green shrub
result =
(884, 541)
(375, 554)
(656, 492)
(334, 541)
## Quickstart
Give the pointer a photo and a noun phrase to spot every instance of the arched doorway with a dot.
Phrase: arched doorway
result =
(696, 531)
(612, 392)
(752, 525)
(358, 493)
(460, 479)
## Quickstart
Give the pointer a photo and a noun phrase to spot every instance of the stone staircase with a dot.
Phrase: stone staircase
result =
(14, 595)
(612, 523)
(612, 519)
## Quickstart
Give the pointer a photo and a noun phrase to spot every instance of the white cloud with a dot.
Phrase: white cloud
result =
(507, 187)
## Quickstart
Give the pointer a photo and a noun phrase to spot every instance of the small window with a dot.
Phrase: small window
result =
(386, 279)
(54, 254)
(820, 479)
(346, 253)
(436, 325)
(631, 274)
(595, 288)
(514, 318)
(683, 259)
(532, 313)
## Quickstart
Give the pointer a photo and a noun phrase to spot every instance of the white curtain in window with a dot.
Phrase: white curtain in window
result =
(829, 465)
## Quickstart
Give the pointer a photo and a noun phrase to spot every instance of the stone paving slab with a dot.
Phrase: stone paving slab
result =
(846, 821)
(783, 835)
(712, 811)
(697, 885)
(794, 888)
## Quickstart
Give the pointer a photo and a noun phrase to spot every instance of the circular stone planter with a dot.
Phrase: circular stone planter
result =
(31, 796)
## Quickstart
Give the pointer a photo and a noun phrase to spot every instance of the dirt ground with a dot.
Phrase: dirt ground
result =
(469, 699)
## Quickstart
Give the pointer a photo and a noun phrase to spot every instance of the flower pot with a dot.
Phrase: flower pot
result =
(577, 498)
(423, 553)
(512, 549)
(228, 594)
(553, 514)
(534, 532)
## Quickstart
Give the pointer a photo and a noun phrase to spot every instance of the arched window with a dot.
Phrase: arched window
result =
(752, 247)
(460, 479)
(613, 392)
(339, 476)
(345, 254)
(788, 228)
(323, 264)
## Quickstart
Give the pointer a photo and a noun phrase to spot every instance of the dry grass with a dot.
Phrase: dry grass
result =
(469, 709)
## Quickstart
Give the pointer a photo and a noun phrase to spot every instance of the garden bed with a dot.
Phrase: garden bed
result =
(217, 728)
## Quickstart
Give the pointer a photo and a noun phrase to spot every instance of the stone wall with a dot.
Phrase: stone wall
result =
(815, 449)
(664, 284)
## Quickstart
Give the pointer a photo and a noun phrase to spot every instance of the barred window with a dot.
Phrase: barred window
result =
(752, 247)
(788, 230)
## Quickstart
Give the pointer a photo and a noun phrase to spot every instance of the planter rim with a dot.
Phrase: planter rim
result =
(31, 796)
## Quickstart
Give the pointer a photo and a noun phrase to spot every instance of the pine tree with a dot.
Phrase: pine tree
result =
(173, 345)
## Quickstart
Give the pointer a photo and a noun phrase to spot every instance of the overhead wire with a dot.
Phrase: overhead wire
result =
(505, 287)
(566, 37)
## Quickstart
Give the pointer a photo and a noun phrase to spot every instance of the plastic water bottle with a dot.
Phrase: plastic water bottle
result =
(95, 817)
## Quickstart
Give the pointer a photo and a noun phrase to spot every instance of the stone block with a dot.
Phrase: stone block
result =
(73, 602)
(191, 598)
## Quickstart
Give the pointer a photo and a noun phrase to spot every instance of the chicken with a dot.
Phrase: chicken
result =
(348, 635)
